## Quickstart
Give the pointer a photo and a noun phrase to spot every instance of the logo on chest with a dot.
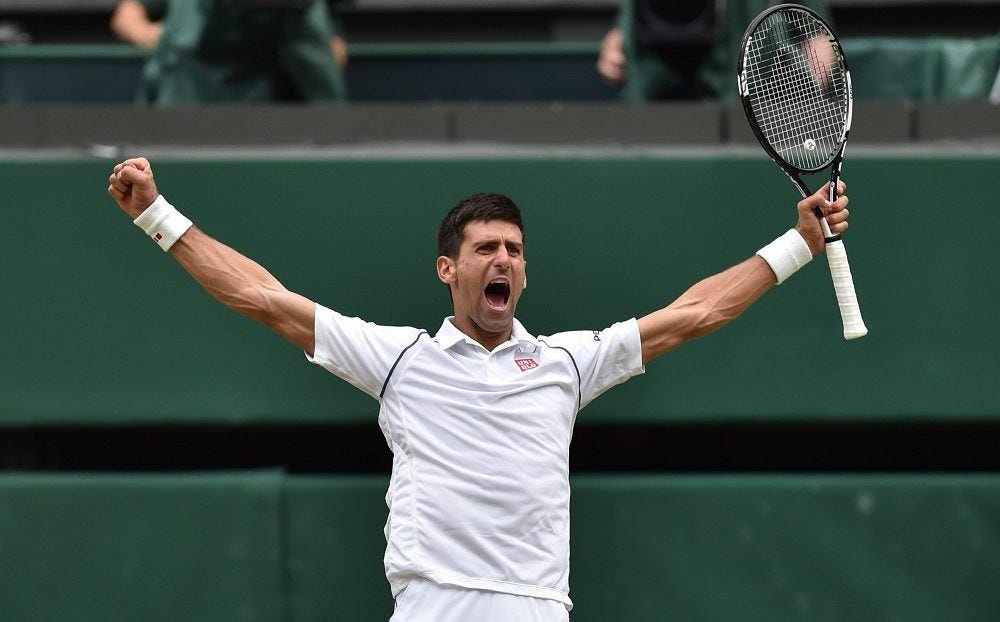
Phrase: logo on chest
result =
(524, 364)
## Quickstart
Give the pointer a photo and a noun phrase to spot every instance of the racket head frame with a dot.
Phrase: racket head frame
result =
(790, 169)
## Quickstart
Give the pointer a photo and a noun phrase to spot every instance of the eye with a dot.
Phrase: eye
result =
(514, 251)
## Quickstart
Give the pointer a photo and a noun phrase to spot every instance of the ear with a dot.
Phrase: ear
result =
(525, 286)
(446, 269)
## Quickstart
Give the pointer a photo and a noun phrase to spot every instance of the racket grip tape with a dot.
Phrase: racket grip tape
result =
(843, 286)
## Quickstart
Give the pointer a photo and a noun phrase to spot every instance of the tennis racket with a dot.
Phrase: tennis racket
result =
(796, 91)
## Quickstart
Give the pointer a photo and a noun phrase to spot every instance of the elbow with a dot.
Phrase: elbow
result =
(264, 304)
(710, 321)
(275, 307)
(253, 301)
(674, 326)
(700, 318)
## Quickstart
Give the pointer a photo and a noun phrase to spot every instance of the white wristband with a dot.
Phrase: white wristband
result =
(162, 222)
(786, 254)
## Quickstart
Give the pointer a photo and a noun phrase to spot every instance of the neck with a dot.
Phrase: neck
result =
(488, 339)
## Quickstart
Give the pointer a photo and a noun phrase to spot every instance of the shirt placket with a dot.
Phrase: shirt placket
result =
(490, 371)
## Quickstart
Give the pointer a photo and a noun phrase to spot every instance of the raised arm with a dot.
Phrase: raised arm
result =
(231, 278)
(714, 302)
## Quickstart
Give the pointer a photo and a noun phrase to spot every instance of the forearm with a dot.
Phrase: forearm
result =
(233, 279)
(707, 306)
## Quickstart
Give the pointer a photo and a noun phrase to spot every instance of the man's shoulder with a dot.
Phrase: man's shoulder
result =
(574, 340)
(588, 334)
(326, 317)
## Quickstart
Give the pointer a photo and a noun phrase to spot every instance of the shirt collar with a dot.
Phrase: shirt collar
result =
(448, 335)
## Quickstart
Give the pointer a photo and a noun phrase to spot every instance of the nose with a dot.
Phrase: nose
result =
(502, 258)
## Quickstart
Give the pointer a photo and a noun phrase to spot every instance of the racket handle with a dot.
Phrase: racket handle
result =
(843, 285)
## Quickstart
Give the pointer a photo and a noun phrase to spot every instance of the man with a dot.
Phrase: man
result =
(479, 417)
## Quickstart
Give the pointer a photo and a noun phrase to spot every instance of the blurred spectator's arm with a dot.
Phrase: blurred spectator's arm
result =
(612, 64)
(131, 23)
(338, 44)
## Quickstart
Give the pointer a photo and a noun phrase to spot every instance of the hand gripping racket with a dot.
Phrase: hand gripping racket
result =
(796, 92)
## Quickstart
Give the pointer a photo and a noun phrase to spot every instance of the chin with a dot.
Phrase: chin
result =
(497, 326)
(493, 323)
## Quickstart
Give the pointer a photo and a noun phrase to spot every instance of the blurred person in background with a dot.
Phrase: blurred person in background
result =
(678, 49)
(235, 50)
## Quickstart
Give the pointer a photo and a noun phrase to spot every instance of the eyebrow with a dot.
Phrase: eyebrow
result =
(496, 241)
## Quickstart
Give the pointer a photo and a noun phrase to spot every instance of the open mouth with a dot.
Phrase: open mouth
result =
(497, 294)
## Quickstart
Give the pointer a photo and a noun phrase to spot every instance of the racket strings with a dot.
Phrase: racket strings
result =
(796, 81)
(794, 92)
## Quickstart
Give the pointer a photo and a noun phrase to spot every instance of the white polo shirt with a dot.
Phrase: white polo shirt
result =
(479, 494)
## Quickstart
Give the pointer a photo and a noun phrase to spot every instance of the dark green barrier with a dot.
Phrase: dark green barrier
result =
(100, 327)
(644, 548)
(925, 68)
(67, 74)
(491, 72)
(135, 547)
(335, 548)
(745, 549)
(377, 72)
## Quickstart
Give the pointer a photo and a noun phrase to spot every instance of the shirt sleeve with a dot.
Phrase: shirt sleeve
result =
(360, 352)
(603, 358)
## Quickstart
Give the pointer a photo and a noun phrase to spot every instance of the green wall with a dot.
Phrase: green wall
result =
(265, 547)
(151, 548)
(100, 327)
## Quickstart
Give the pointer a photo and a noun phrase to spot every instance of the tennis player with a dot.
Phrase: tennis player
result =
(478, 415)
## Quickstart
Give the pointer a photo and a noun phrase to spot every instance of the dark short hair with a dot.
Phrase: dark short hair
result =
(482, 206)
